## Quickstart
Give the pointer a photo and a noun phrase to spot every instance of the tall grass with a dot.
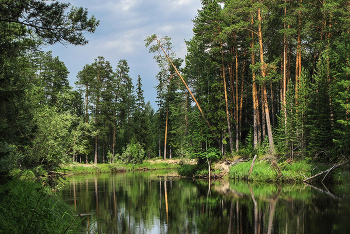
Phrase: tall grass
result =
(28, 207)
(263, 171)
(106, 168)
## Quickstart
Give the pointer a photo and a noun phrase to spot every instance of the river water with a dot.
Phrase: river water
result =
(151, 202)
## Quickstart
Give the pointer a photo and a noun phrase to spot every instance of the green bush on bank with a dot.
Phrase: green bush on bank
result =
(263, 171)
(28, 207)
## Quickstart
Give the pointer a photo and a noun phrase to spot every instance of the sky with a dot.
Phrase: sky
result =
(124, 25)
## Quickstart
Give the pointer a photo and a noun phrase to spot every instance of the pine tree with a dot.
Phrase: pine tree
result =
(319, 125)
(126, 101)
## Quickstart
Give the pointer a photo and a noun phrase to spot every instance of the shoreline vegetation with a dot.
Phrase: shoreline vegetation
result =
(238, 168)
(39, 202)
(285, 93)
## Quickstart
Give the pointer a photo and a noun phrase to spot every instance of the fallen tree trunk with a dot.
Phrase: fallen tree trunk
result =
(326, 171)
(252, 165)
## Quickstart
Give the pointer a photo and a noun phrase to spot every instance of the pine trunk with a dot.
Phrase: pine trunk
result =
(284, 84)
(264, 94)
(226, 102)
(237, 118)
(255, 97)
(241, 104)
(166, 133)
(95, 160)
(113, 144)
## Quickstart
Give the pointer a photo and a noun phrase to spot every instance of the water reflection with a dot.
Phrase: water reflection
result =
(142, 202)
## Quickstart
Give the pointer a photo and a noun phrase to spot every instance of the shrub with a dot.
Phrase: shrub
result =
(187, 170)
(134, 153)
(28, 207)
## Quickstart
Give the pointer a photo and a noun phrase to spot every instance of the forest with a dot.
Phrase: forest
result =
(260, 77)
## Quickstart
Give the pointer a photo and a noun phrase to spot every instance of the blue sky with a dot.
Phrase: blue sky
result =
(124, 24)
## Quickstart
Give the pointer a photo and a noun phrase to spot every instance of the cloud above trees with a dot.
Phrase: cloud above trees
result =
(124, 26)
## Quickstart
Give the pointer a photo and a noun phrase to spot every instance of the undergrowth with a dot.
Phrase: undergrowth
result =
(295, 171)
(29, 207)
(107, 168)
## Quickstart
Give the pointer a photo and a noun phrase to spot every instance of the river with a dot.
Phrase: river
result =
(151, 202)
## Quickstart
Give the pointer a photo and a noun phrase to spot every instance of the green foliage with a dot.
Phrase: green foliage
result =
(319, 121)
(264, 171)
(32, 83)
(187, 170)
(133, 153)
(49, 21)
(9, 159)
(292, 120)
(27, 207)
(210, 154)
(53, 140)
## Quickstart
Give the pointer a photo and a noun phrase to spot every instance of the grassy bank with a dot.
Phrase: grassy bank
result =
(29, 207)
(285, 172)
(78, 168)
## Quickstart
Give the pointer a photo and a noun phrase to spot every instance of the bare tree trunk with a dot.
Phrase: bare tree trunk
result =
(226, 102)
(159, 148)
(272, 105)
(241, 103)
(263, 123)
(113, 144)
(96, 145)
(237, 118)
(86, 103)
(255, 97)
(263, 73)
(86, 114)
(74, 152)
(284, 73)
(166, 133)
(268, 124)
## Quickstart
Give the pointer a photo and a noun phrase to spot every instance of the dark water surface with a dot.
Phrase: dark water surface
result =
(149, 202)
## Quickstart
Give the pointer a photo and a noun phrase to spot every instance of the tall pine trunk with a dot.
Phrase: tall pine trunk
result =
(264, 93)
(96, 149)
(237, 118)
(256, 129)
(241, 104)
(86, 114)
(226, 102)
(166, 132)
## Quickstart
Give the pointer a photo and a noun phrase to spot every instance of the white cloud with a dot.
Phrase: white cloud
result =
(165, 29)
(124, 26)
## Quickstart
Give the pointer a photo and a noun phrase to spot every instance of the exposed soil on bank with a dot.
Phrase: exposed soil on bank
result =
(175, 161)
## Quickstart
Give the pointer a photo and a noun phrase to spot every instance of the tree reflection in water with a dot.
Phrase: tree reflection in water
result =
(142, 202)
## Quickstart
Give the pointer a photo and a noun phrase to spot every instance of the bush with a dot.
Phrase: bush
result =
(134, 153)
(187, 170)
(28, 207)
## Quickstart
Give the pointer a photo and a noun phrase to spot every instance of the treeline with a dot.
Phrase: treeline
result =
(270, 77)
(120, 122)
(43, 121)
(40, 114)
(267, 77)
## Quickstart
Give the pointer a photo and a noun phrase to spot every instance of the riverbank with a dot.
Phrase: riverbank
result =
(238, 168)
(152, 164)
(289, 171)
